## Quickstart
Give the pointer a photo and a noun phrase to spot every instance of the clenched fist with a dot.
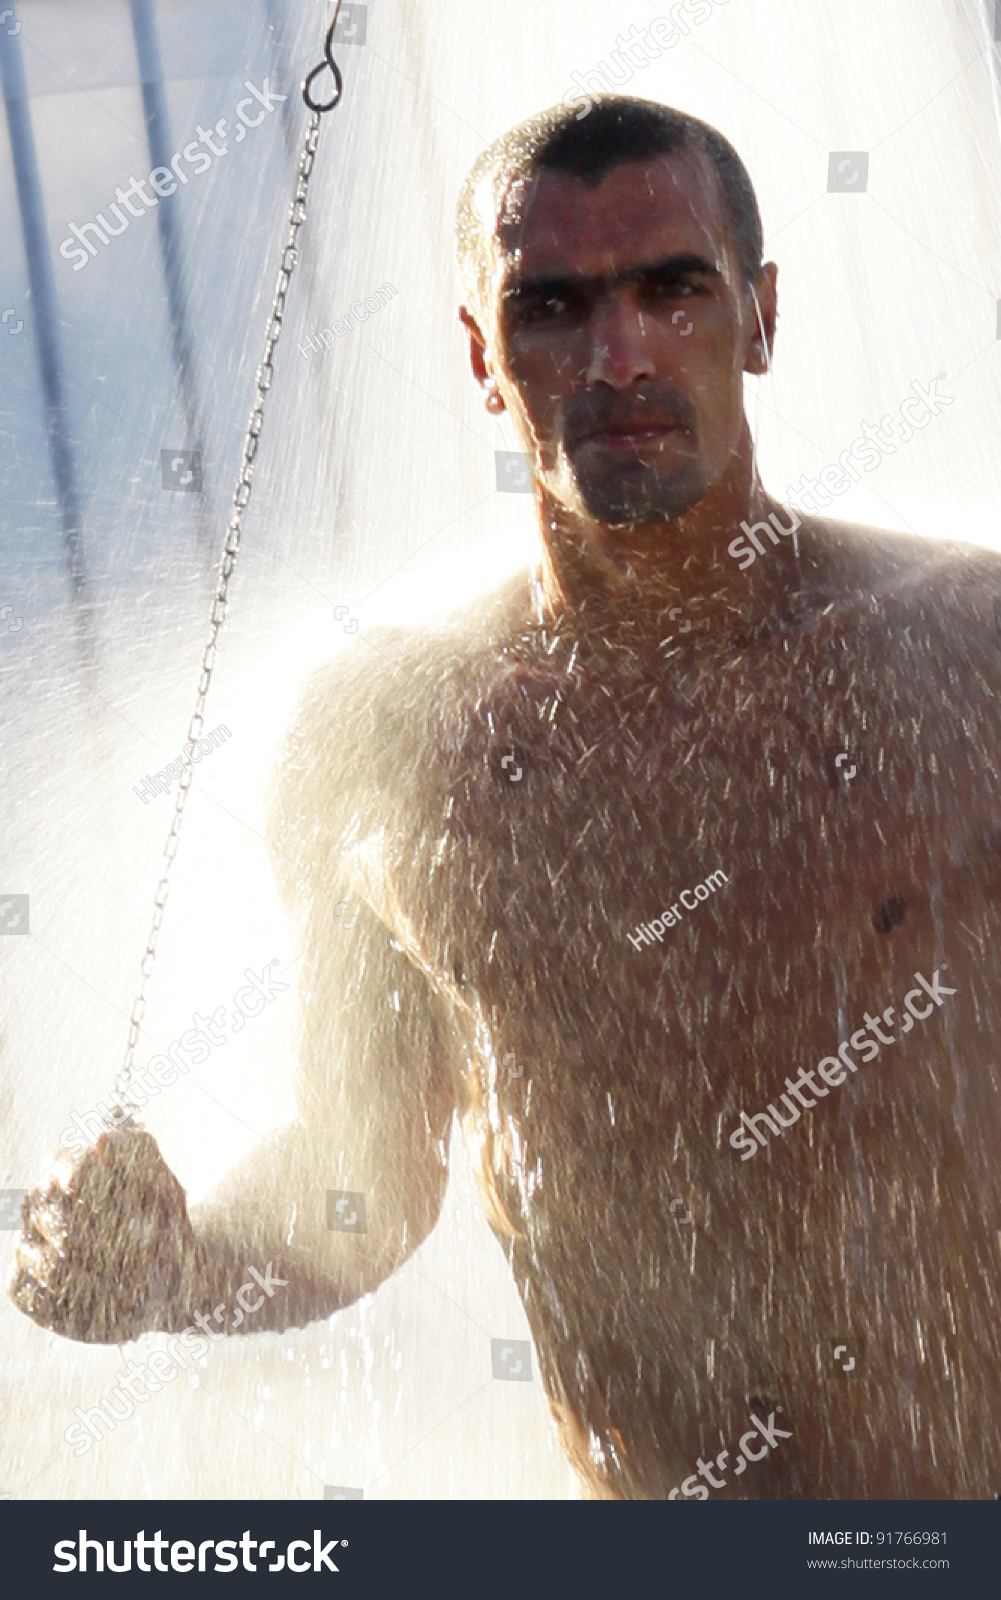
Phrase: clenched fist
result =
(105, 1242)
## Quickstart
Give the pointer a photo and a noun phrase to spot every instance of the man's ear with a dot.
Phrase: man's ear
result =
(478, 358)
(759, 352)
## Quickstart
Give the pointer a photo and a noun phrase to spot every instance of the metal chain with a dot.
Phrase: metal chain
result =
(231, 549)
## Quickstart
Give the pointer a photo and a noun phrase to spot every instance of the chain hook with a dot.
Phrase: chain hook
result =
(318, 107)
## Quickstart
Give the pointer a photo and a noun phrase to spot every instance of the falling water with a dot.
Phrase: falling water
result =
(380, 498)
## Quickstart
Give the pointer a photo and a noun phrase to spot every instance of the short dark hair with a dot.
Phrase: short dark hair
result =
(617, 129)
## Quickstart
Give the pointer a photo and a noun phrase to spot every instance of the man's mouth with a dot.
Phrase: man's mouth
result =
(631, 436)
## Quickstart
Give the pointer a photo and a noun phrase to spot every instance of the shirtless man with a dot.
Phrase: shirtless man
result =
(528, 784)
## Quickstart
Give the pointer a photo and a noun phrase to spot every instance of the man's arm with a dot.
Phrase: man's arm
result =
(109, 1250)
(375, 1106)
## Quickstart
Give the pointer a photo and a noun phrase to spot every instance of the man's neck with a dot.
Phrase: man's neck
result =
(633, 578)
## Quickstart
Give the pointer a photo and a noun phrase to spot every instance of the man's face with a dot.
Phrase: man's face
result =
(621, 335)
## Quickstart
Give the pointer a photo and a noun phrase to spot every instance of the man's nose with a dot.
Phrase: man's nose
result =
(622, 349)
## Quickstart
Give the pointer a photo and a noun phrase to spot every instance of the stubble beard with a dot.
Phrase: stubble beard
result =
(638, 495)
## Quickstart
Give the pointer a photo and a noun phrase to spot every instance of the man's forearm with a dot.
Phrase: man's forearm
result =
(224, 1289)
(261, 1254)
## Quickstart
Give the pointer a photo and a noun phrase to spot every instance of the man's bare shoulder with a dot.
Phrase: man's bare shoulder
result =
(948, 585)
(369, 721)
(392, 673)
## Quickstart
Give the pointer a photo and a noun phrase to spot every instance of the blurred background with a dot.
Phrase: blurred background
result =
(384, 492)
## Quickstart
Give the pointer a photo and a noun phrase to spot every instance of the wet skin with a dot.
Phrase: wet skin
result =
(658, 759)
(495, 918)
(876, 1216)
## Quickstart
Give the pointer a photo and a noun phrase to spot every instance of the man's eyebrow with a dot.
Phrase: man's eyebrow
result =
(669, 267)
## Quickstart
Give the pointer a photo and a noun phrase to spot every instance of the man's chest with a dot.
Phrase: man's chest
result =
(765, 827)
(652, 907)
(654, 911)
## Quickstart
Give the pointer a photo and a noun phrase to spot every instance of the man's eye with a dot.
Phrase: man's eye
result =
(546, 308)
(671, 289)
